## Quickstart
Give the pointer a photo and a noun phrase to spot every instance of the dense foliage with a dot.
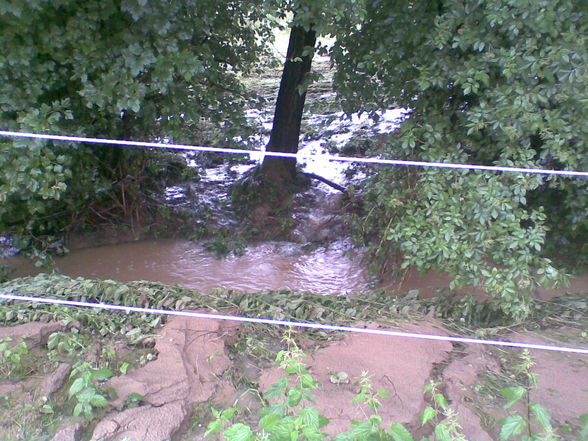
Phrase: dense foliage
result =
(114, 68)
(489, 82)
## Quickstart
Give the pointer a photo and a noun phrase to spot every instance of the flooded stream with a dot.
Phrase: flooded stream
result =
(265, 266)
(303, 266)
(333, 270)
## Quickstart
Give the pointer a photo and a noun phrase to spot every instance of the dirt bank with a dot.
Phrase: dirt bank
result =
(199, 363)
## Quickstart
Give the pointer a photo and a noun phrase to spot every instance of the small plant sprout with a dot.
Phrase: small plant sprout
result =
(366, 394)
(13, 358)
(521, 427)
(84, 391)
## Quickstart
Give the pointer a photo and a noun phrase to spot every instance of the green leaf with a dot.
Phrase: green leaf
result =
(293, 366)
(78, 409)
(99, 401)
(428, 414)
(375, 421)
(124, 367)
(134, 397)
(512, 394)
(238, 432)
(87, 410)
(310, 417)
(542, 415)
(293, 398)
(277, 408)
(228, 414)
(512, 426)
(87, 394)
(383, 393)
(361, 431)
(442, 432)
(53, 340)
(76, 387)
(344, 436)
(102, 374)
(441, 401)
(277, 390)
(268, 422)
(282, 430)
(360, 397)
(311, 434)
(400, 433)
(307, 381)
(213, 427)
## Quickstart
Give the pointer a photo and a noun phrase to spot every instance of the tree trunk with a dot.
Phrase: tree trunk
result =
(289, 106)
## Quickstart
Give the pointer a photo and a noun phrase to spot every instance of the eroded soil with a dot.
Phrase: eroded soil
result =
(200, 363)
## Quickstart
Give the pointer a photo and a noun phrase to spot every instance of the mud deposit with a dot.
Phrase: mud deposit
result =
(197, 366)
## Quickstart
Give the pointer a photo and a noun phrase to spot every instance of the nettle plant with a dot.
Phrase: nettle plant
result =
(523, 425)
(85, 391)
(287, 416)
(13, 358)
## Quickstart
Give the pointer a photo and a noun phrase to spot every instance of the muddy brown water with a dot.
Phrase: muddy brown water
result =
(429, 283)
(265, 266)
(336, 269)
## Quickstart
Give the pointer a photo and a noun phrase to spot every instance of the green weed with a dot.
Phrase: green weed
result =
(14, 360)
(84, 389)
(287, 416)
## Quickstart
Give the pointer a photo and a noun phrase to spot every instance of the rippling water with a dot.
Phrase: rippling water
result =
(267, 266)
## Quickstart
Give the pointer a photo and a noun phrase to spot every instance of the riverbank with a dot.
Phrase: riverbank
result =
(160, 376)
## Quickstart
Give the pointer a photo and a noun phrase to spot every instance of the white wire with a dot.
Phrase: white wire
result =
(259, 155)
(263, 153)
(322, 326)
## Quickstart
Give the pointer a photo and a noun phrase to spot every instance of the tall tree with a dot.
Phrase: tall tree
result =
(490, 82)
(285, 132)
(310, 20)
(268, 195)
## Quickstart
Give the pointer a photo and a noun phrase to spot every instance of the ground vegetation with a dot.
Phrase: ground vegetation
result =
(89, 355)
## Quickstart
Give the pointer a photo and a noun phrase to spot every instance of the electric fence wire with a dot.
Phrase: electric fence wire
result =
(259, 155)
(322, 326)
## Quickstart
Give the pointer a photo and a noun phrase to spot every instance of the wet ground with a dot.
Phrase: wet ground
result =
(200, 362)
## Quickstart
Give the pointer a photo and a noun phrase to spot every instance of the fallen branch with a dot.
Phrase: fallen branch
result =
(328, 182)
